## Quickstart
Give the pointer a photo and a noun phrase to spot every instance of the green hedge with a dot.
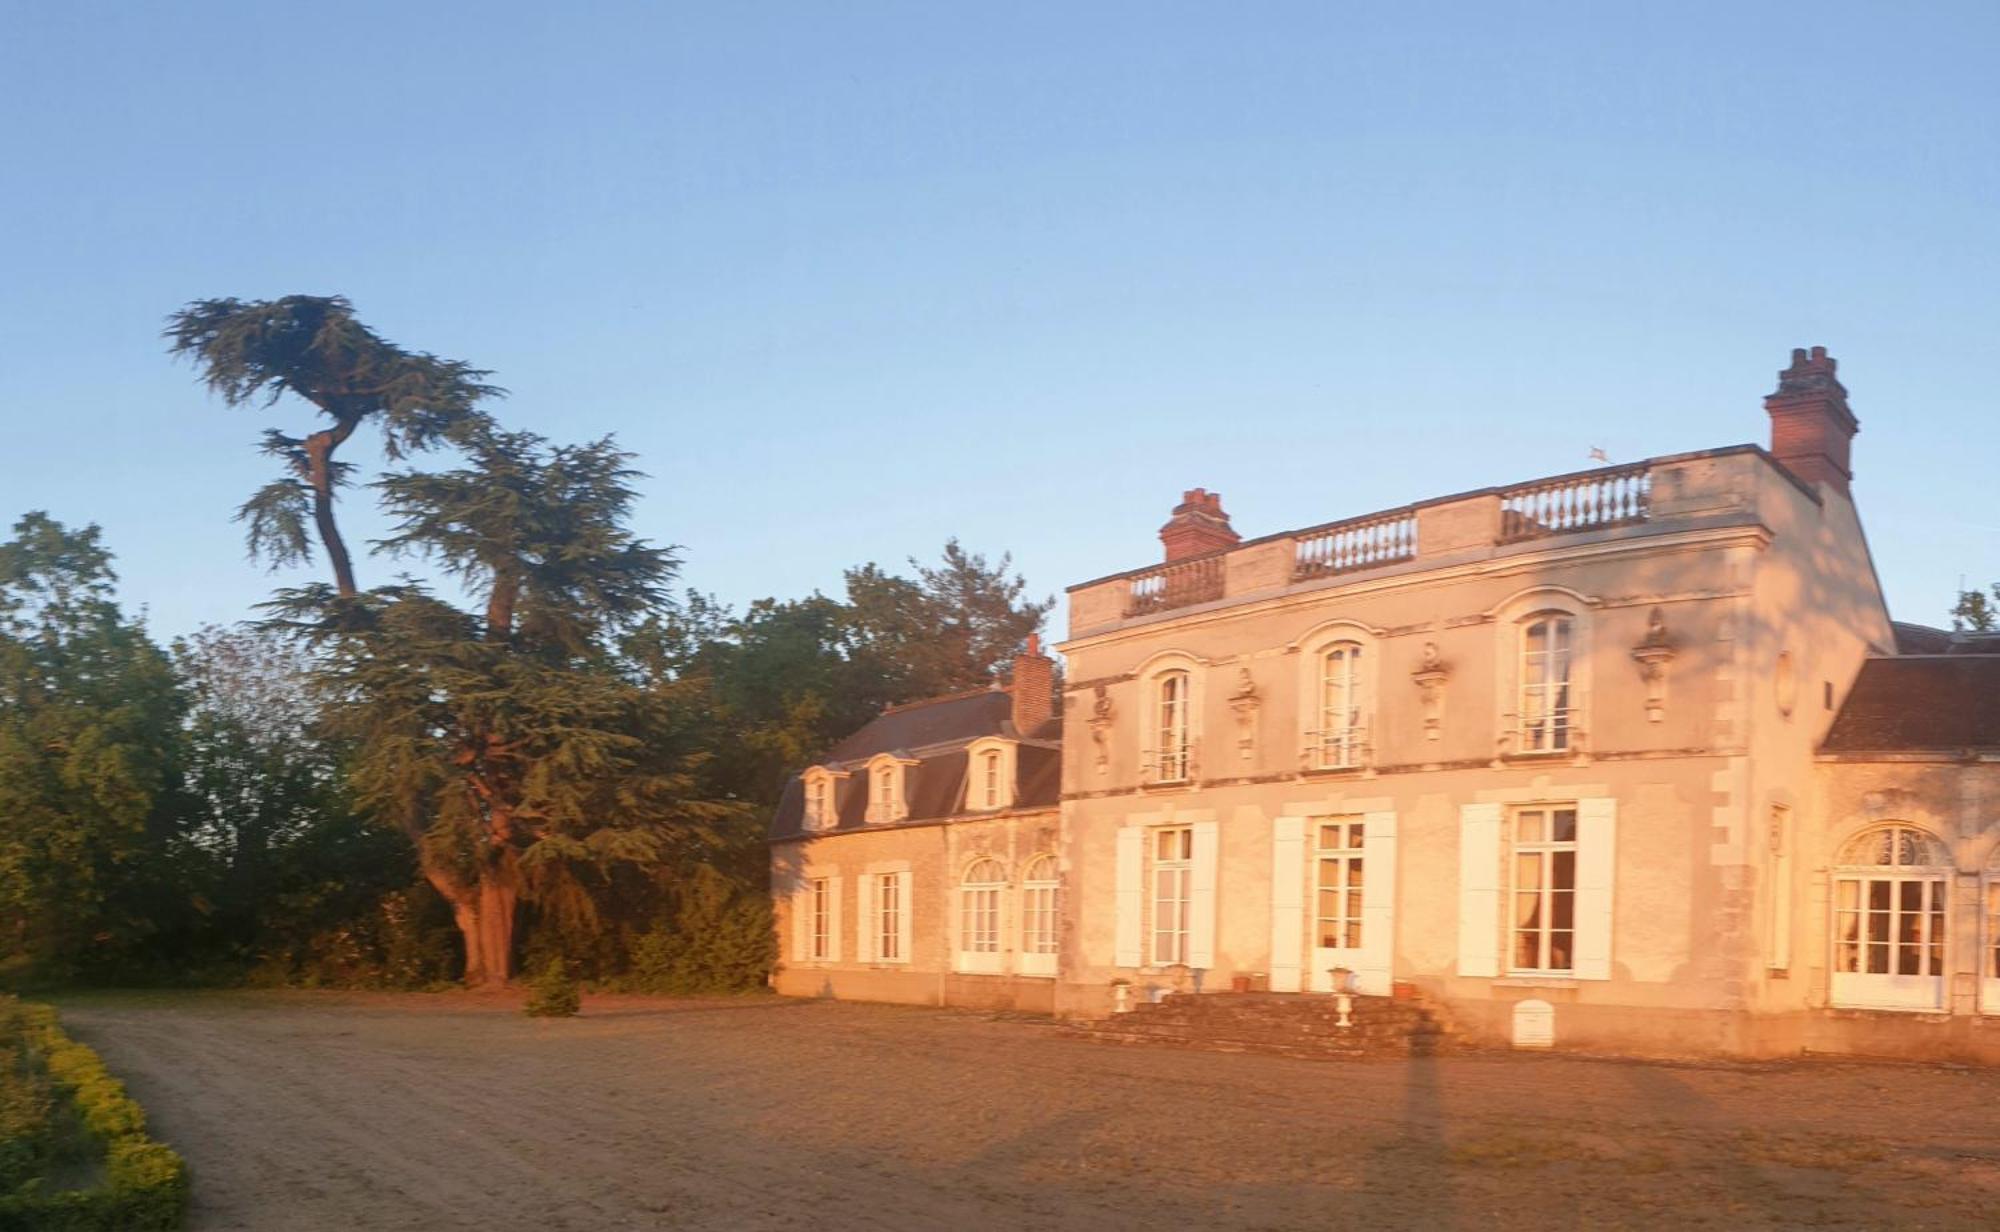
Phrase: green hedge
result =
(145, 1184)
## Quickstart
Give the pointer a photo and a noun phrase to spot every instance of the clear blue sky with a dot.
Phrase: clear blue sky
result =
(852, 277)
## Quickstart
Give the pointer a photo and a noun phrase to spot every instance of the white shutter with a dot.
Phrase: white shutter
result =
(1479, 889)
(1201, 897)
(1129, 888)
(1378, 904)
(802, 923)
(906, 900)
(865, 930)
(1596, 864)
(833, 919)
(1288, 887)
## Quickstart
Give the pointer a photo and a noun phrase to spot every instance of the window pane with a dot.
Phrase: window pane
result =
(1559, 951)
(1563, 876)
(1562, 909)
(1528, 827)
(1878, 895)
(1527, 871)
(1565, 825)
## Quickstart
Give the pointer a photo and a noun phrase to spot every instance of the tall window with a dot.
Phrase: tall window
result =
(1340, 882)
(883, 804)
(1173, 879)
(1038, 908)
(1544, 888)
(816, 802)
(819, 902)
(979, 907)
(989, 778)
(1171, 754)
(1547, 708)
(1889, 906)
(1337, 743)
(889, 917)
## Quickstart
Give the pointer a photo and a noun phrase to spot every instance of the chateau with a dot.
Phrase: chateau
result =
(1633, 755)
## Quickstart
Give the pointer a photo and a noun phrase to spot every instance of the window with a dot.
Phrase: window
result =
(989, 779)
(1543, 888)
(1340, 886)
(885, 789)
(820, 813)
(979, 916)
(1173, 883)
(1889, 920)
(1038, 917)
(819, 905)
(1336, 744)
(888, 926)
(1170, 760)
(1547, 710)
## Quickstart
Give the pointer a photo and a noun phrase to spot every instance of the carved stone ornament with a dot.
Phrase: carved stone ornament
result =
(1100, 726)
(1430, 678)
(1653, 655)
(1244, 701)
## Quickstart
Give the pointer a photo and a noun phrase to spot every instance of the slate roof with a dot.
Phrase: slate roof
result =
(1920, 703)
(935, 734)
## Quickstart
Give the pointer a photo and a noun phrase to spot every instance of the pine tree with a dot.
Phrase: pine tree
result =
(312, 347)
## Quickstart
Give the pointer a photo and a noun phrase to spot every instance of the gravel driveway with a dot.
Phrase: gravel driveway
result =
(307, 1111)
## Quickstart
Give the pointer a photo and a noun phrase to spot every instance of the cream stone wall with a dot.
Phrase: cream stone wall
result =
(937, 855)
(1736, 561)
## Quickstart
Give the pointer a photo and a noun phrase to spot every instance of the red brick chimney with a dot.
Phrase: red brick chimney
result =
(1811, 426)
(1198, 526)
(1033, 688)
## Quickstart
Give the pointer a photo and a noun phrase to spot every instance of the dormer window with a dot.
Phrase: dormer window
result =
(886, 794)
(822, 799)
(989, 775)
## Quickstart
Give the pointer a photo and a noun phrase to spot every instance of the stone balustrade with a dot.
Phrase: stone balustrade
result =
(1638, 498)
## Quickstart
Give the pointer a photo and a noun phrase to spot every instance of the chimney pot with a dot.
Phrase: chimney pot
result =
(1812, 427)
(1198, 526)
(1033, 688)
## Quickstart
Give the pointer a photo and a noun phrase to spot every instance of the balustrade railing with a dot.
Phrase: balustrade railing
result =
(1592, 501)
(1175, 585)
(1341, 748)
(1360, 543)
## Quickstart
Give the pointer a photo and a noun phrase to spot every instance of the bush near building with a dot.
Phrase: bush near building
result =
(74, 1154)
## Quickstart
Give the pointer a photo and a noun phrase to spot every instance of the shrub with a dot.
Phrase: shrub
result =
(145, 1183)
(553, 993)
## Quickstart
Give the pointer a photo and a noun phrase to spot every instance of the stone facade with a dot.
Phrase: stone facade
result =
(1563, 744)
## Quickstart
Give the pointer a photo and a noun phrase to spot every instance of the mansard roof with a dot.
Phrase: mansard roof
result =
(931, 736)
(1920, 703)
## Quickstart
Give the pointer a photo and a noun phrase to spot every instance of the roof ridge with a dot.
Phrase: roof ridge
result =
(962, 694)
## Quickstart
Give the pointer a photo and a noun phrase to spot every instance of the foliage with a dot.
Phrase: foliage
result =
(313, 347)
(554, 994)
(144, 1185)
(89, 720)
(1974, 613)
(720, 938)
(506, 742)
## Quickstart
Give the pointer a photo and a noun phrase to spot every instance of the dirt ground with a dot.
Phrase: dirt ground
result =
(448, 1111)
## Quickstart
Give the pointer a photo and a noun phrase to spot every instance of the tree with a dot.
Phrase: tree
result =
(88, 734)
(507, 741)
(274, 845)
(313, 348)
(1973, 613)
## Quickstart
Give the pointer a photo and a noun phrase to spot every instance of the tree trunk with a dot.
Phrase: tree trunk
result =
(319, 449)
(499, 896)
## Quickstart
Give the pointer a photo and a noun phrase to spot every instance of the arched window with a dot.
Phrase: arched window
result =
(1337, 743)
(979, 916)
(1170, 757)
(1889, 919)
(1038, 916)
(1547, 705)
